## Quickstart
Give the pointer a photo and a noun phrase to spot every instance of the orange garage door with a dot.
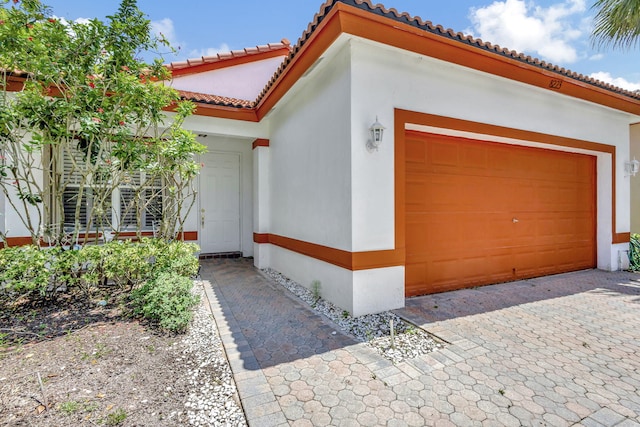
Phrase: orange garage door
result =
(481, 212)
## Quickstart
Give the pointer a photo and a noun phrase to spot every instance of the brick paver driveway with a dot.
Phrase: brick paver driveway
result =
(555, 351)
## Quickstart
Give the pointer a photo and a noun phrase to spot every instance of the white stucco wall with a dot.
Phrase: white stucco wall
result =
(635, 181)
(310, 177)
(261, 202)
(244, 81)
(225, 127)
(14, 227)
(311, 160)
(336, 283)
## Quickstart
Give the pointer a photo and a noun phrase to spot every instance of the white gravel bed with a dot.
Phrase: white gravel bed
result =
(374, 329)
(212, 400)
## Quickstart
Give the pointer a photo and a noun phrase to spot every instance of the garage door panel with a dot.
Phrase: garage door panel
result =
(473, 159)
(416, 199)
(453, 232)
(415, 154)
(480, 213)
(421, 231)
(452, 273)
(443, 156)
(459, 193)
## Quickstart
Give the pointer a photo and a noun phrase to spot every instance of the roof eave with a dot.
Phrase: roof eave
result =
(343, 18)
(230, 62)
(222, 112)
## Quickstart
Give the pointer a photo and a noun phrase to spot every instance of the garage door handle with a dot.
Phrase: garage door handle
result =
(515, 220)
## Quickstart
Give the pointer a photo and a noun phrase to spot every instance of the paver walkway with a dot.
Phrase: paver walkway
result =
(555, 351)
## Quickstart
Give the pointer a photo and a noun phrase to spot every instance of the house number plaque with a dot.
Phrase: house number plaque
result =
(555, 84)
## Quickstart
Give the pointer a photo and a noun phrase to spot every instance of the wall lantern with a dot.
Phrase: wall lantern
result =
(632, 167)
(377, 131)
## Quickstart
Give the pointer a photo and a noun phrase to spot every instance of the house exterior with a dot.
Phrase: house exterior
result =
(493, 166)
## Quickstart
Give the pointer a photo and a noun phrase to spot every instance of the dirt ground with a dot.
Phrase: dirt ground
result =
(80, 363)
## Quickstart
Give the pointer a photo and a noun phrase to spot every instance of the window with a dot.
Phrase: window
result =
(147, 203)
(108, 206)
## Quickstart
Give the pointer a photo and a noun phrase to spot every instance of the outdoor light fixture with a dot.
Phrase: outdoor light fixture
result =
(632, 167)
(376, 130)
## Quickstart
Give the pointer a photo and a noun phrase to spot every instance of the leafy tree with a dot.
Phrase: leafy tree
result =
(89, 103)
(617, 23)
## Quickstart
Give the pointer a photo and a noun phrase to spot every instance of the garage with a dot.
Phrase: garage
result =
(482, 212)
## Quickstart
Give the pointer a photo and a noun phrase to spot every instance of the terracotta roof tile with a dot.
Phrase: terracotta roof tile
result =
(284, 44)
(437, 30)
(215, 100)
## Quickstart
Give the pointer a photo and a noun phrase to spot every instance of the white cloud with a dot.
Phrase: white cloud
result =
(64, 21)
(164, 28)
(84, 21)
(211, 51)
(79, 21)
(621, 82)
(547, 32)
(596, 57)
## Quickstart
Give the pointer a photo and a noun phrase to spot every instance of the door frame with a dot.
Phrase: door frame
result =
(202, 158)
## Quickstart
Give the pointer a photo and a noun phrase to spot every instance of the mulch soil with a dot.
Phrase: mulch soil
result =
(81, 363)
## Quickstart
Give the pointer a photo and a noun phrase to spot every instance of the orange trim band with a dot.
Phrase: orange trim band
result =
(15, 84)
(133, 234)
(261, 238)
(260, 143)
(353, 261)
(222, 112)
(621, 238)
(19, 241)
(189, 236)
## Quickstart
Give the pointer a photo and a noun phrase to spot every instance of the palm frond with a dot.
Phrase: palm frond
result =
(616, 24)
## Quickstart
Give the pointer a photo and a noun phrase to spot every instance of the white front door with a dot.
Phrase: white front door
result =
(220, 203)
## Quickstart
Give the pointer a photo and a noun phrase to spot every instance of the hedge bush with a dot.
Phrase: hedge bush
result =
(181, 259)
(23, 271)
(153, 275)
(634, 252)
(166, 300)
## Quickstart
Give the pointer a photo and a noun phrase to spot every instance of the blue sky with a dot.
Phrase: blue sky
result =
(554, 30)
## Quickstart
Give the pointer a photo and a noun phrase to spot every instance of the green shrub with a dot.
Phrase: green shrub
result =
(178, 257)
(166, 300)
(24, 271)
(157, 272)
(634, 252)
(65, 267)
(92, 260)
(126, 262)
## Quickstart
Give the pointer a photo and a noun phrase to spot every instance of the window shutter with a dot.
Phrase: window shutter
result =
(70, 198)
